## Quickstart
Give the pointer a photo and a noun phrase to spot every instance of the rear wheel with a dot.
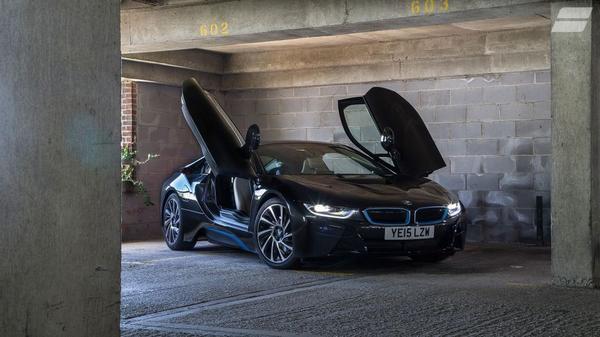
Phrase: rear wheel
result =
(273, 235)
(172, 224)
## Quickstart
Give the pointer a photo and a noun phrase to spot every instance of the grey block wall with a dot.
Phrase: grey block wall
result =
(493, 130)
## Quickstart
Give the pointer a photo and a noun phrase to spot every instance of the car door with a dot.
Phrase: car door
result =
(385, 126)
(220, 140)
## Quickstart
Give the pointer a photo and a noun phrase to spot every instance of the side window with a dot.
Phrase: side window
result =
(362, 128)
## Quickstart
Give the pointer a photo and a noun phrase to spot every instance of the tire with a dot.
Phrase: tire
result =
(172, 224)
(273, 237)
(431, 258)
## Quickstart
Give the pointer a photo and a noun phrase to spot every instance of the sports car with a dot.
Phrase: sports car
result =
(292, 200)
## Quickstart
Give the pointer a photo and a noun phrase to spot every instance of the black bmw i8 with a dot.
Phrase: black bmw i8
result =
(286, 201)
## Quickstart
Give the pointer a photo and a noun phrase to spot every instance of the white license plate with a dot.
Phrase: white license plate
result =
(409, 233)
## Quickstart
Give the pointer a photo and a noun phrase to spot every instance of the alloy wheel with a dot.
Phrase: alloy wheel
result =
(171, 221)
(274, 234)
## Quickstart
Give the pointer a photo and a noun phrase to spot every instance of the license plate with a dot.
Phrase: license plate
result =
(409, 233)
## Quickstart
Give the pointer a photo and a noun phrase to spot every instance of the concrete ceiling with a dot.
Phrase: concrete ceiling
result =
(410, 33)
(253, 25)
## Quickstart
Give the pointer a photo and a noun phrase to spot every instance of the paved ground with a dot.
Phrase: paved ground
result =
(486, 290)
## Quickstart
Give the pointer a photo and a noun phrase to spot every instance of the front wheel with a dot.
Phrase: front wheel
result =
(273, 235)
(172, 224)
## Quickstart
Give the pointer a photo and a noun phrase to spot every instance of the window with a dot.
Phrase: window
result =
(317, 159)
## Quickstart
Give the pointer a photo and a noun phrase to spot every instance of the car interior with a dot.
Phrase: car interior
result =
(231, 196)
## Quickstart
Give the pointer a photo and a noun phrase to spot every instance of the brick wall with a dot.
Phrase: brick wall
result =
(493, 131)
(159, 129)
(128, 110)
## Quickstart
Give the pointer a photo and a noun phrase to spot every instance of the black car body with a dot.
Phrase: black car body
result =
(292, 200)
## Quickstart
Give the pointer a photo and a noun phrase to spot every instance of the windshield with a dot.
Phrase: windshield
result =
(306, 158)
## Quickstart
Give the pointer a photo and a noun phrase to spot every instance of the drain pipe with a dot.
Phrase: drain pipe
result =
(539, 219)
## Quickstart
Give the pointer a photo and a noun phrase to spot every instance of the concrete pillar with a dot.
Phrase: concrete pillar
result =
(59, 168)
(575, 138)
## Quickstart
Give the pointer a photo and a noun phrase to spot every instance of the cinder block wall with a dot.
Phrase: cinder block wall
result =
(493, 130)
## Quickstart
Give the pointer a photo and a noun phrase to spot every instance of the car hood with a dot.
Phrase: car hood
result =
(364, 191)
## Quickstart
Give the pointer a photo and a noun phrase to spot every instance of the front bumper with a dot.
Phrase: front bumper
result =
(325, 236)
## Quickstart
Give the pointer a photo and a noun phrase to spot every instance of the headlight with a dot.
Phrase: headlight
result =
(453, 209)
(330, 211)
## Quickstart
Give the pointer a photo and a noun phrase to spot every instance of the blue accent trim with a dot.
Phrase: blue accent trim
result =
(234, 238)
(192, 211)
(442, 219)
(366, 214)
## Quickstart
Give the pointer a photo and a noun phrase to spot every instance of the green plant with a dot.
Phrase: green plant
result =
(129, 163)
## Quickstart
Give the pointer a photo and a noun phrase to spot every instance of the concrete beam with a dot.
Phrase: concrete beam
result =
(158, 73)
(195, 59)
(576, 143)
(466, 45)
(59, 168)
(471, 54)
(226, 23)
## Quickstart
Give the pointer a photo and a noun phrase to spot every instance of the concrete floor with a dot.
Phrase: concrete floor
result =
(486, 290)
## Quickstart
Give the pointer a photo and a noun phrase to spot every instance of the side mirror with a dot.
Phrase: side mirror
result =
(252, 139)
(387, 139)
